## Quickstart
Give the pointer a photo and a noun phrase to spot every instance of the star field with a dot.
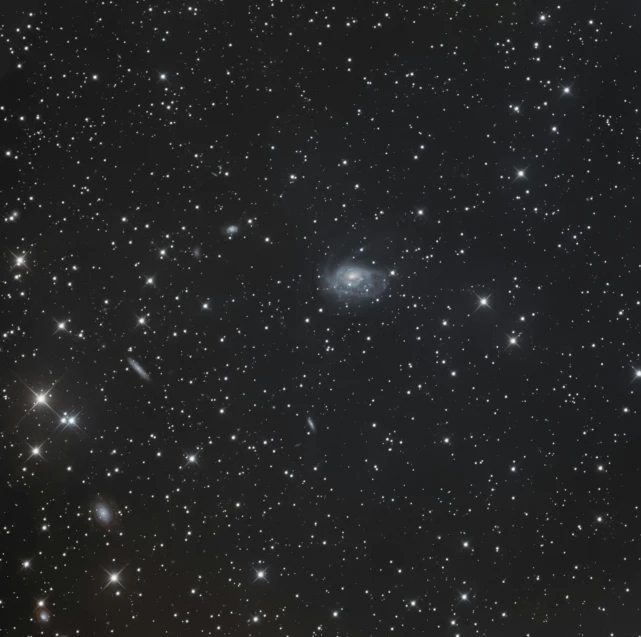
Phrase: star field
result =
(320, 319)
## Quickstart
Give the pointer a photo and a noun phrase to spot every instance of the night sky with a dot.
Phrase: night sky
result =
(320, 319)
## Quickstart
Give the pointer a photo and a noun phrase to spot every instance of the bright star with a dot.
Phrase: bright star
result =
(191, 459)
(60, 325)
(512, 340)
(37, 451)
(484, 301)
(20, 260)
(142, 321)
(114, 578)
(40, 399)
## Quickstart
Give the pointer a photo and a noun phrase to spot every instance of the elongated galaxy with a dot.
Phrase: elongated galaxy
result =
(355, 282)
(139, 369)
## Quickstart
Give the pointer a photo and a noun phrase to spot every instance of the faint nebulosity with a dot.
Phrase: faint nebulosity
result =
(320, 318)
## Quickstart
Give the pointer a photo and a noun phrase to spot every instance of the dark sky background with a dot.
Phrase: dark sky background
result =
(320, 319)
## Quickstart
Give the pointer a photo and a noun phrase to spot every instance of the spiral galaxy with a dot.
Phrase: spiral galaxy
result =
(104, 512)
(42, 614)
(354, 282)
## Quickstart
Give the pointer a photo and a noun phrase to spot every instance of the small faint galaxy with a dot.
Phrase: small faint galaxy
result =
(139, 369)
(42, 614)
(104, 512)
(230, 230)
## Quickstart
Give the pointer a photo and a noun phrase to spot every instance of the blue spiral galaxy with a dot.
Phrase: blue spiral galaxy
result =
(104, 512)
(354, 282)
